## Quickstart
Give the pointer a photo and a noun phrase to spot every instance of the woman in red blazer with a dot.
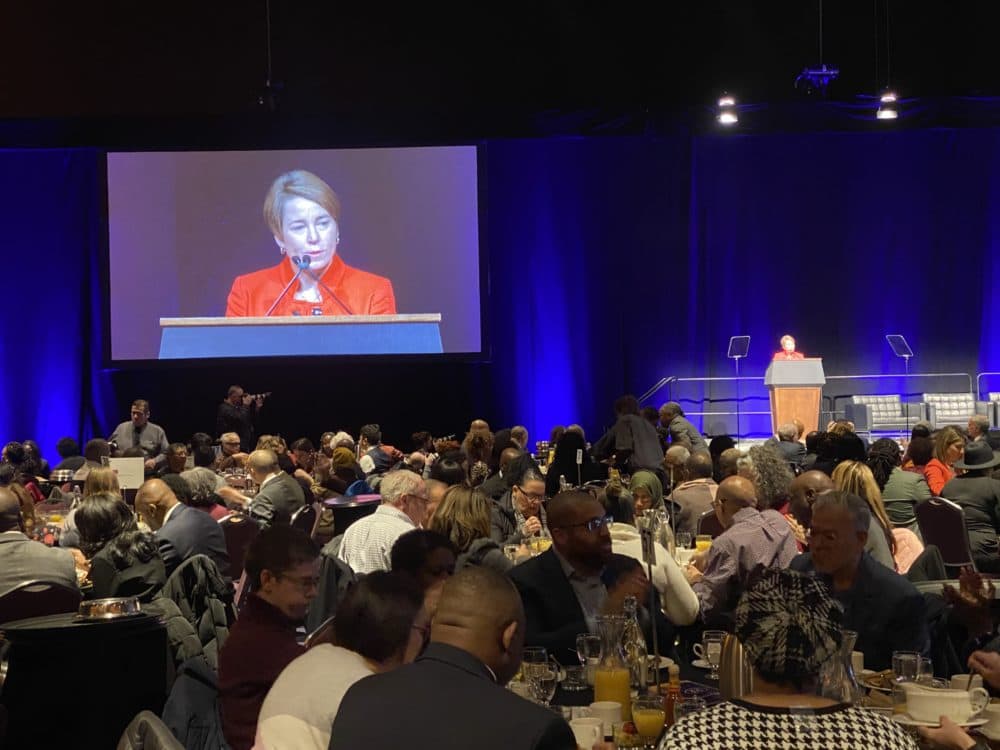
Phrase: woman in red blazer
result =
(303, 214)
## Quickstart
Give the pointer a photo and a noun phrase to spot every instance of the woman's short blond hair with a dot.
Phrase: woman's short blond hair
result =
(298, 184)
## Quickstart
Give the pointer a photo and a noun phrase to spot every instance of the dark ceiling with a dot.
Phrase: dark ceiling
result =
(472, 69)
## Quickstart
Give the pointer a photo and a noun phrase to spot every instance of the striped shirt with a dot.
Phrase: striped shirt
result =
(368, 541)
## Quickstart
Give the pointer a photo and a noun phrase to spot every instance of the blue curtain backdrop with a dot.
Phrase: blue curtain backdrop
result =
(613, 262)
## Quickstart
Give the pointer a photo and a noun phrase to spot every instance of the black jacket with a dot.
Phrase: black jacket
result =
(190, 532)
(446, 700)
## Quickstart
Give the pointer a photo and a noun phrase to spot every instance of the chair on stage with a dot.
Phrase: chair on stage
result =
(953, 408)
(883, 413)
(942, 524)
(993, 409)
(38, 598)
(708, 523)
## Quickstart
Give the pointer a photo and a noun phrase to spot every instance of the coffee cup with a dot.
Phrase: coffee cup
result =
(960, 681)
(992, 715)
(930, 704)
(587, 732)
(609, 712)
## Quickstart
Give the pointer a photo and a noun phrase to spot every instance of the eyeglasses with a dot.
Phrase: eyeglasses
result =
(592, 525)
(536, 496)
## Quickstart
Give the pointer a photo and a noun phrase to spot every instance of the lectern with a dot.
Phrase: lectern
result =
(183, 338)
(796, 388)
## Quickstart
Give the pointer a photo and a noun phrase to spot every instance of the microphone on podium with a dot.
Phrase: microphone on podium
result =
(302, 263)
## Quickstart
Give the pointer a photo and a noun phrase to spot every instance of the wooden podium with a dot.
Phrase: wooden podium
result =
(796, 388)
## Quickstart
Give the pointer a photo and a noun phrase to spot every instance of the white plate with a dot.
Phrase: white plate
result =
(907, 721)
(701, 664)
(665, 662)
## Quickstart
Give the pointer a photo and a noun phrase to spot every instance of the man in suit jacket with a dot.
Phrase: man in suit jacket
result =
(23, 560)
(452, 697)
(181, 532)
(789, 446)
(881, 606)
(279, 494)
(562, 589)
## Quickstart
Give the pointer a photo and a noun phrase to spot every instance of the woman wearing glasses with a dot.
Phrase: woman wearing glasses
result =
(519, 514)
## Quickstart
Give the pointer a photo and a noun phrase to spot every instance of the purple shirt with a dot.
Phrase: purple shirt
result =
(755, 538)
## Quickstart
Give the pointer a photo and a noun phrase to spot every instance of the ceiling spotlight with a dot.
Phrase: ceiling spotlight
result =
(887, 109)
(727, 111)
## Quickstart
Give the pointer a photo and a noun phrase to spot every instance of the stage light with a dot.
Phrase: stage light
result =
(887, 108)
(727, 111)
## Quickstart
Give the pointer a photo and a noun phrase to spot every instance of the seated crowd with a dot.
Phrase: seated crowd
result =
(418, 612)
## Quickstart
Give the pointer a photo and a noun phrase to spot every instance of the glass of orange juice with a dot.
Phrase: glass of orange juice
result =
(648, 715)
(702, 542)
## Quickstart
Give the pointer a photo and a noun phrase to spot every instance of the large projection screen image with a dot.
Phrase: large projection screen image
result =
(293, 253)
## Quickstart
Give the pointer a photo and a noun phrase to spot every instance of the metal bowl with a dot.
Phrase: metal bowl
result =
(108, 609)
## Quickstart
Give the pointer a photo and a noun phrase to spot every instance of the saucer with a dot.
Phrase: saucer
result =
(908, 721)
(701, 664)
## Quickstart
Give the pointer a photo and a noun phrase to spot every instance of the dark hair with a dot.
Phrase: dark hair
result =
(720, 443)
(134, 451)
(303, 444)
(563, 462)
(920, 450)
(376, 615)
(14, 453)
(557, 432)
(201, 438)
(410, 552)
(103, 519)
(920, 430)
(175, 448)
(179, 486)
(448, 469)
(372, 433)
(650, 414)
(278, 548)
(618, 504)
(67, 447)
(617, 567)
(203, 455)
(420, 439)
(626, 404)
(883, 457)
(96, 448)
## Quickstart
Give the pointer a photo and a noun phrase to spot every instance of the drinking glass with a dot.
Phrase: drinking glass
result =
(702, 542)
(588, 651)
(683, 539)
(711, 646)
(648, 715)
(925, 672)
(532, 658)
(543, 680)
(510, 551)
(905, 665)
(688, 705)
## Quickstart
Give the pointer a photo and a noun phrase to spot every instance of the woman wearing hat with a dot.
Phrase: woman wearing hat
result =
(790, 626)
(979, 495)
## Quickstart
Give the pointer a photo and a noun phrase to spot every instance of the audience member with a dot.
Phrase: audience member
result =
(814, 441)
(949, 445)
(978, 427)
(464, 517)
(206, 487)
(435, 494)
(694, 496)
(93, 452)
(237, 415)
(519, 434)
(232, 456)
(729, 463)
(788, 444)
(379, 626)
(681, 431)
(453, 695)
(565, 467)
(519, 513)
(918, 454)
(561, 588)
(496, 485)
(181, 532)
(716, 447)
(770, 474)
(124, 561)
(69, 454)
(751, 538)
(282, 567)
(789, 627)
(884, 459)
(278, 496)
(632, 442)
(881, 606)
(175, 459)
(22, 560)
(675, 466)
(368, 542)
(140, 432)
(979, 495)
(448, 469)
(803, 491)
(425, 556)
(856, 478)
(647, 492)
(376, 458)
(680, 604)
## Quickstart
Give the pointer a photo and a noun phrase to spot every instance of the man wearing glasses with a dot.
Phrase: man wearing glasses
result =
(561, 588)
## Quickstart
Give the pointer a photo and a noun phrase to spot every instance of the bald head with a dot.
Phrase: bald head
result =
(734, 494)
(263, 461)
(563, 509)
(479, 425)
(803, 492)
(728, 462)
(699, 465)
(480, 612)
(152, 502)
(506, 456)
(10, 512)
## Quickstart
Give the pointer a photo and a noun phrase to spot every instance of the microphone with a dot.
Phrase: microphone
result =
(302, 263)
